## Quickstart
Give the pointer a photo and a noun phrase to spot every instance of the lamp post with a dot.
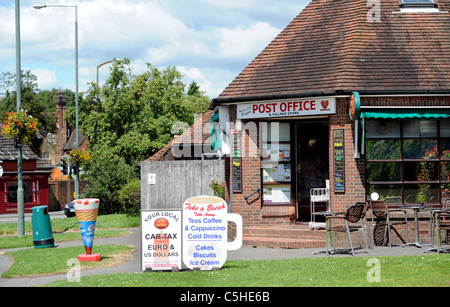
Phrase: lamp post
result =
(20, 192)
(98, 67)
(41, 6)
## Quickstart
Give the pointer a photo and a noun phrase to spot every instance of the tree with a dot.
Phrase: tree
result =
(35, 103)
(132, 120)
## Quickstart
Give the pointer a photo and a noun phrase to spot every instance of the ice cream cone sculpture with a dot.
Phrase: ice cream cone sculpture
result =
(86, 211)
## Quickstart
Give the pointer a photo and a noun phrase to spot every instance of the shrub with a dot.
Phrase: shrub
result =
(130, 197)
(218, 188)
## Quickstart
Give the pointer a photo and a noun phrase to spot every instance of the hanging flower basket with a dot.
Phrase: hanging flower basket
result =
(80, 156)
(20, 126)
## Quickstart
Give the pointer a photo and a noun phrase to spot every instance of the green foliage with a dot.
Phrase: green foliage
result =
(107, 173)
(130, 197)
(218, 188)
(127, 120)
(38, 104)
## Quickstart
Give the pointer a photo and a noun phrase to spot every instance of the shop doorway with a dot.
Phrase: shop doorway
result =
(311, 164)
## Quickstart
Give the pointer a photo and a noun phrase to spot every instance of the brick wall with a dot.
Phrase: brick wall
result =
(251, 174)
(255, 214)
(354, 168)
(410, 101)
(63, 192)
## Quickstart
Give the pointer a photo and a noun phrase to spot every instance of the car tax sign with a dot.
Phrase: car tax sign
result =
(161, 239)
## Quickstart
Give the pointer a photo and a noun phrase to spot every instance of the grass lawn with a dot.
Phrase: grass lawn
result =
(68, 224)
(29, 262)
(408, 271)
(67, 229)
(27, 240)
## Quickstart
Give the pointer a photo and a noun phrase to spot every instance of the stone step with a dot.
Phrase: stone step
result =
(282, 243)
(295, 236)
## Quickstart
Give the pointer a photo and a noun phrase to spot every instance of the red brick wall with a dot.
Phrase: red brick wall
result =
(254, 214)
(251, 175)
(354, 168)
(64, 192)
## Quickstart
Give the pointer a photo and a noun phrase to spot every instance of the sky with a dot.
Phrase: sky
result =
(209, 41)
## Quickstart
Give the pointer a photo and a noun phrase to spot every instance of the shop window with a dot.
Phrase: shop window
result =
(420, 149)
(383, 149)
(411, 163)
(383, 171)
(382, 129)
(276, 155)
(31, 191)
(420, 129)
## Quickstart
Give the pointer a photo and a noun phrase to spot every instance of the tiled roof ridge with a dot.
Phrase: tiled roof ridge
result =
(331, 45)
(187, 137)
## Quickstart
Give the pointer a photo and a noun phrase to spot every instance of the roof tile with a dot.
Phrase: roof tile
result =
(332, 46)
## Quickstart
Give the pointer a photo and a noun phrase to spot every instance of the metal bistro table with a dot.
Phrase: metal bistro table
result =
(437, 249)
(327, 234)
(416, 225)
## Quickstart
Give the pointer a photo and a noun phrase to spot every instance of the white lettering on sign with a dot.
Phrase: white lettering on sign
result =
(297, 107)
(205, 232)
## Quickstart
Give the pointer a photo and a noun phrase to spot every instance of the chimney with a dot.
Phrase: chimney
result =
(61, 102)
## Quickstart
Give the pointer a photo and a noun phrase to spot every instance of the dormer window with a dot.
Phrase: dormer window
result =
(417, 3)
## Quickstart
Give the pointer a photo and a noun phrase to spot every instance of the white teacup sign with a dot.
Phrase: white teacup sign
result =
(205, 232)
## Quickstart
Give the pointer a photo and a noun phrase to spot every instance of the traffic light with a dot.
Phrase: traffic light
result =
(64, 167)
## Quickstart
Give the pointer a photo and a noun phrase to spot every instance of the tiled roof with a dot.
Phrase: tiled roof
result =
(8, 151)
(331, 46)
(72, 142)
(188, 136)
(162, 152)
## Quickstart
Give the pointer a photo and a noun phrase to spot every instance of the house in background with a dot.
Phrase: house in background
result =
(44, 181)
(36, 172)
(59, 144)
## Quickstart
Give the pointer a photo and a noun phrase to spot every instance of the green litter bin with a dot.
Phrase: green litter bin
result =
(42, 229)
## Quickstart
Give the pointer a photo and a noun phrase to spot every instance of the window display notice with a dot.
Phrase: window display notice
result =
(276, 152)
(277, 193)
(339, 161)
(161, 239)
(282, 172)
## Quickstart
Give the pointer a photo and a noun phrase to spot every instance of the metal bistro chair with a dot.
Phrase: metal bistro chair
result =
(365, 222)
(381, 211)
(353, 215)
(444, 221)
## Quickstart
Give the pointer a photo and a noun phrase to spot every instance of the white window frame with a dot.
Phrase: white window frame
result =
(417, 4)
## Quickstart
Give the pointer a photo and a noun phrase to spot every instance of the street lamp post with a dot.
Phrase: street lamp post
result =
(98, 67)
(20, 191)
(41, 6)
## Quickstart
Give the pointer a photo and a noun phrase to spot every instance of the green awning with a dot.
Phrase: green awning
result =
(215, 132)
(405, 114)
